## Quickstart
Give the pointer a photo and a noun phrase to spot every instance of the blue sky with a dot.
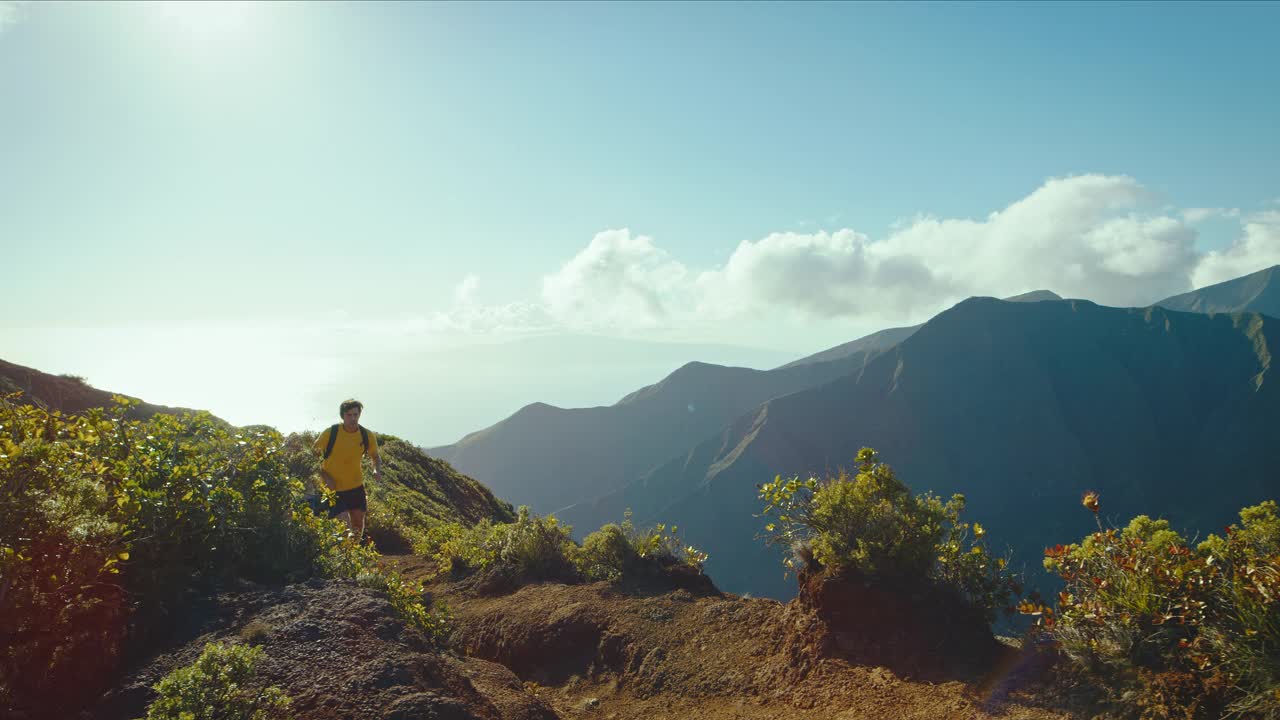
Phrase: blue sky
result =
(312, 185)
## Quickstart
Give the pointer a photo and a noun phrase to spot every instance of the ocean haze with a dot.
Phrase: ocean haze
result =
(294, 378)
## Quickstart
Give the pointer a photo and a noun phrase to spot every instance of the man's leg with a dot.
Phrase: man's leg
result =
(356, 521)
(339, 510)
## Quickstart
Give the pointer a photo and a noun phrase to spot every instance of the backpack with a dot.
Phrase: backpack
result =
(333, 438)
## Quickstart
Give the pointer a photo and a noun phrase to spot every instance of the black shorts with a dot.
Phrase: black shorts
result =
(353, 499)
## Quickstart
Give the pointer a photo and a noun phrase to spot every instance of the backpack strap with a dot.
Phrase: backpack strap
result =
(333, 438)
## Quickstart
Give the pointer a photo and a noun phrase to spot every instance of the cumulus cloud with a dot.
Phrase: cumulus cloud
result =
(618, 280)
(1258, 248)
(820, 274)
(1081, 236)
(1196, 215)
(1098, 237)
(464, 293)
(11, 12)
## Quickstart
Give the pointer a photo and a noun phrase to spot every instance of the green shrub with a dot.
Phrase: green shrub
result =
(535, 547)
(869, 525)
(1188, 632)
(220, 685)
(614, 551)
(532, 547)
(62, 544)
(605, 554)
(106, 516)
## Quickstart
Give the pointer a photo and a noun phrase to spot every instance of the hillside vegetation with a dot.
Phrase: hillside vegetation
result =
(69, 393)
(113, 524)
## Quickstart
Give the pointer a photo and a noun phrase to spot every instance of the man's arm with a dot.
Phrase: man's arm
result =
(321, 441)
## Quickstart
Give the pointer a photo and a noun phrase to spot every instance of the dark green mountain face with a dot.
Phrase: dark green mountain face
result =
(1258, 292)
(549, 457)
(1021, 407)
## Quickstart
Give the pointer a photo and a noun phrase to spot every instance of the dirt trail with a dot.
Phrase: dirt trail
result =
(339, 651)
(657, 651)
(663, 648)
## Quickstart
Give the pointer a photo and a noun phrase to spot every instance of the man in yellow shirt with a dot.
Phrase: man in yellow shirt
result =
(342, 447)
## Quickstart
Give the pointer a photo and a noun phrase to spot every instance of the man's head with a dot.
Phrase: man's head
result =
(352, 408)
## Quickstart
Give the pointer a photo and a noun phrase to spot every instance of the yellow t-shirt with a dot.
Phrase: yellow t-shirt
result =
(344, 462)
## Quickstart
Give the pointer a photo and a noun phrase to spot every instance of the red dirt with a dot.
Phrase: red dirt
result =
(653, 650)
(663, 647)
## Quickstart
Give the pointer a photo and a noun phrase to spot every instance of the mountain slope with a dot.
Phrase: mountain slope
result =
(886, 339)
(422, 491)
(881, 340)
(549, 457)
(1021, 407)
(67, 394)
(1258, 292)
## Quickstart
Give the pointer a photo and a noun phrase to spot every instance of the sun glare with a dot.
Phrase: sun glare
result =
(205, 22)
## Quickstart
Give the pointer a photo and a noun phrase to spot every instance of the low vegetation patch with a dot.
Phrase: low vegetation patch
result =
(221, 684)
(537, 548)
(531, 548)
(1167, 629)
(615, 551)
(870, 526)
(109, 519)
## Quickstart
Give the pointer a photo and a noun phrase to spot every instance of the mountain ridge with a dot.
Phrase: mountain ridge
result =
(550, 457)
(1256, 292)
(989, 372)
(70, 394)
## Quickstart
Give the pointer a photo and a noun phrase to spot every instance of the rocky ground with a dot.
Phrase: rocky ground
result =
(340, 652)
(680, 649)
(662, 648)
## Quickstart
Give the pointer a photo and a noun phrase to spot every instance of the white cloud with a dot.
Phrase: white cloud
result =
(11, 11)
(820, 274)
(1080, 236)
(1257, 249)
(1197, 215)
(617, 281)
(1098, 237)
(464, 293)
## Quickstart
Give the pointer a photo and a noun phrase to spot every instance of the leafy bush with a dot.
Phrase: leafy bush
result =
(220, 685)
(1185, 632)
(457, 549)
(871, 526)
(106, 516)
(614, 551)
(532, 547)
(62, 544)
(537, 548)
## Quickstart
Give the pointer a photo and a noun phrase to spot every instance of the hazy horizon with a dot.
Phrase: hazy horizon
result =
(261, 209)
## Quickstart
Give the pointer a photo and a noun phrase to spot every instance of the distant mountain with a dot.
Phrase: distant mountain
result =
(1257, 292)
(885, 339)
(1021, 407)
(874, 342)
(66, 393)
(549, 457)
